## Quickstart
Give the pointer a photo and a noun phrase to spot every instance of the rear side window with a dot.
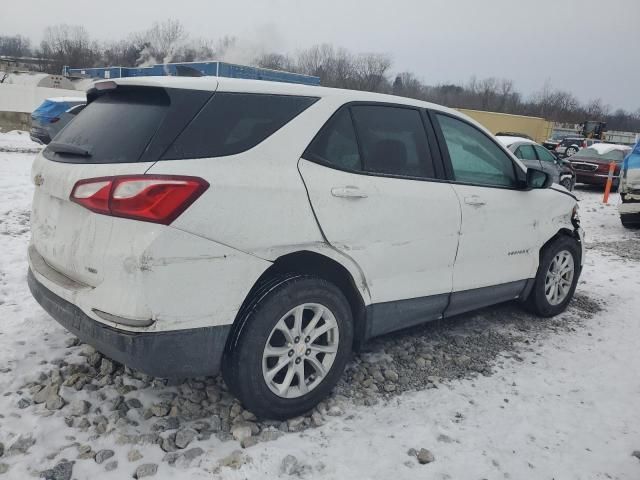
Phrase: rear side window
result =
(232, 123)
(336, 143)
(393, 140)
(114, 128)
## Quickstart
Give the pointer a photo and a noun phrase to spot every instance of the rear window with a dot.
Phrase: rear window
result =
(114, 128)
(232, 123)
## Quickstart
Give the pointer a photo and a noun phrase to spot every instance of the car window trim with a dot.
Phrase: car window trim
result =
(444, 150)
(439, 173)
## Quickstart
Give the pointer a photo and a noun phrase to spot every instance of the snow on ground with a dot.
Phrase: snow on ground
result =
(564, 407)
(18, 141)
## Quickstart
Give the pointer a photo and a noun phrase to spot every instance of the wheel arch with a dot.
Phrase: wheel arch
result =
(306, 262)
(563, 233)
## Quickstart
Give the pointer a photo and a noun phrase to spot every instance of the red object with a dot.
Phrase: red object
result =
(607, 188)
(149, 198)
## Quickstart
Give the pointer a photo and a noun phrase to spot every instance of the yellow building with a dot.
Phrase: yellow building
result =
(537, 128)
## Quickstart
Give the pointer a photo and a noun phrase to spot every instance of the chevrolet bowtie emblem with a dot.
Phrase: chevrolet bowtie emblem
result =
(38, 180)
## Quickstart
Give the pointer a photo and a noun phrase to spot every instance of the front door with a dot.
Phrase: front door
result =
(499, 237)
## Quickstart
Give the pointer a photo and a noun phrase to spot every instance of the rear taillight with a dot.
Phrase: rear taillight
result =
(584, 144)
(150, 198)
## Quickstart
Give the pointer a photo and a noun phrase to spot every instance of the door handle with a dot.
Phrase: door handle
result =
(348, 191)
(474, 200)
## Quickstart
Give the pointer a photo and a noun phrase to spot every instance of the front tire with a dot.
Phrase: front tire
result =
(630, 220)
(567, 183)
(556, 279)
(292, 347)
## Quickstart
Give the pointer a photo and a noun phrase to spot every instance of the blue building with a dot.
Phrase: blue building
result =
(215, 69)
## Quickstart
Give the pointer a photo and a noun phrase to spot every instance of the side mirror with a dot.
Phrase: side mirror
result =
(538, 179)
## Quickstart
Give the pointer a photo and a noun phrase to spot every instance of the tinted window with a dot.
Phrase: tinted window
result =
(336, 143)
(393, 141)
(544, 155)
(475, 158)
(114, 128)
(571, 141)
(526, 152)
(234, 122)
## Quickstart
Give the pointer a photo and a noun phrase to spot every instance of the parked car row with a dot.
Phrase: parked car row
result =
(266, 229)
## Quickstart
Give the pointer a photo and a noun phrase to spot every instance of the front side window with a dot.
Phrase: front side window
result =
(393, 140)
(336, 143)
(526, 152)
(232, 123)
(475, 158)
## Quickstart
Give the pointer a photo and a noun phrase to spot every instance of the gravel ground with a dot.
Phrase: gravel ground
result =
(625, 249)
(103, 398)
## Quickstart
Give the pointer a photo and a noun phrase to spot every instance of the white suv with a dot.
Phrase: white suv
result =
(184, 226)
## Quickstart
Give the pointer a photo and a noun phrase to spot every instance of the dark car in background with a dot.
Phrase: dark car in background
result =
(52, 115)
(552, 142)
(535, 155)
(569, 146)
(592, 163)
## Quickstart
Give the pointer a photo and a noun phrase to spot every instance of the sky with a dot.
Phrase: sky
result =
(590, 48)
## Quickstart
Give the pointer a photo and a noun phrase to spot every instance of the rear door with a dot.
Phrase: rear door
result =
(122, 131)
(375, 190)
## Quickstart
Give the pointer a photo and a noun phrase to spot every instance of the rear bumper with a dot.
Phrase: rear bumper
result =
(629, 208)
(39, 135)
(183, 353)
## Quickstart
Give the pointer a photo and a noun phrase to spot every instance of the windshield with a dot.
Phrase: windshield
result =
(593, 154)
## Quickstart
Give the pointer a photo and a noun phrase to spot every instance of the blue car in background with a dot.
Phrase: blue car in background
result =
(629, 189)
(52, 115)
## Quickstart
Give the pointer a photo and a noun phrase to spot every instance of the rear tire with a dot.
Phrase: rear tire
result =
(570, 151)
(556, 279)
(273, 364)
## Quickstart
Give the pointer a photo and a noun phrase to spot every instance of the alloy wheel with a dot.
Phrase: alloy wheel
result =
(559, 278)
(300, 350)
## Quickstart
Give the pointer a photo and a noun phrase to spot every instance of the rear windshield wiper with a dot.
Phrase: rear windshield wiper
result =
(69, 149)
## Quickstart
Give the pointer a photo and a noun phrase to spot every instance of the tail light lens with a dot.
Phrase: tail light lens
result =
(149, 198)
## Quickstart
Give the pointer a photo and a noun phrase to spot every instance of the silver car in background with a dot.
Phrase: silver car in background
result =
(534, 155)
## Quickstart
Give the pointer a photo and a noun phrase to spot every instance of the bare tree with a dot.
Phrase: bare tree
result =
(164, 40)
(15, 46)
(68, 45)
